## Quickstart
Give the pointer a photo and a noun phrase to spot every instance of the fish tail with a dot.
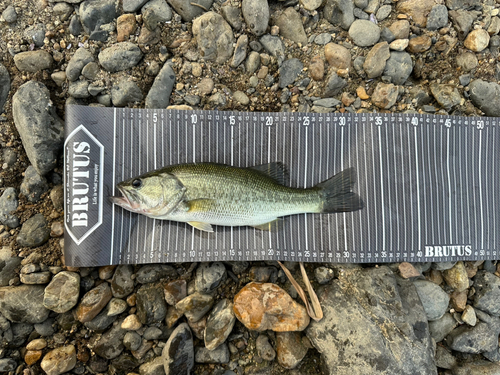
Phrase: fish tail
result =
(337, 194)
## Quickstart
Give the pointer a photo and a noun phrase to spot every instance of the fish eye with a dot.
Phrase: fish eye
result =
(137, 183)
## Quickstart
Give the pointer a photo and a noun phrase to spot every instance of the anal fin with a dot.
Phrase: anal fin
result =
(272, 226)
(205, 227)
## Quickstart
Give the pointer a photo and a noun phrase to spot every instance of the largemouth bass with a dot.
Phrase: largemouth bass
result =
(209, 194)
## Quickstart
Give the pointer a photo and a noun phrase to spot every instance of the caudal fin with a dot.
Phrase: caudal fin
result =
(337, 194)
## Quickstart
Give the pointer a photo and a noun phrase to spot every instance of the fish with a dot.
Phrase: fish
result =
(207, 194)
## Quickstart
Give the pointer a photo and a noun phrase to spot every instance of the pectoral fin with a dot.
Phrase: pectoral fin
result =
(272, 226)
(205, 227)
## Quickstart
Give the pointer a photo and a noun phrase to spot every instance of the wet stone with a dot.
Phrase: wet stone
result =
(290, 349)
(7, 364)
(132, 340)
(34, 232)
(266, 306)
(218, 355)
(175, 291)
(23, 304)
(256, 15)
(209, 277)
(214, 37)
(93, 302)
(195, 306)
(178, 352)
(122, 283)
(8, 205)
(110, 344)
(151, 306)
(220, 323)
(102, 321)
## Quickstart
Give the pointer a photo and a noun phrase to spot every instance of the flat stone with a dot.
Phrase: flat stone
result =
(187, 11)
(447, 96)
(59, 360)
(93, 302)
(385, 95)
(274, 46)
(175, 291)
(419, 44)
(122, 283)
(232, 14)
(289, 71)
(438, 17)
(159, 94)
(120, 56)
(178, 352)
(33, 61)
(417, 10)
(95, 13)
(364, 33)
(291, 27)
(339, 12)
(39, 126)
(290, 349)
(218, 355)
(34, 232)
(125, 26)
(486, 96)
(434, 299)
(334, 85)
(110, 344)
(8, 205)
(214, 37)
(399, 67)
(36, 278)
(381, 319)
(483, 337)
(375, 61)
(23, 304)
(195, 306)
(266, 306)
(62, 293)
(240, 52)
(256, 15)
(79, 89)
(337, 56)
(4, 86)
(151, 306)
(125, 92)
(400, 29)
(477, 40)
(219, 325)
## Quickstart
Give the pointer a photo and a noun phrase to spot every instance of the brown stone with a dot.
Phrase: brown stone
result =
(400, 29)
(407, 270)
(173, 315)
(459, 300)
(198, 328)
(93, 302)
(436, 277)
(317, 68)
(106, 272)
(337, 56)
(456, 277)
(385, 95)
(361, 92)
(266, 306)
(290, 349)
(262, 73)
(59, 360)
(148, 37)
(141, 352)
(374, 64)
(175, 291)
(131, 323)
(290, 26)
(347, 99)
(125, 26)
(419, 44)
(36, 344)
(471, 269)
(32, 356)
(417, 10)
(477, 40)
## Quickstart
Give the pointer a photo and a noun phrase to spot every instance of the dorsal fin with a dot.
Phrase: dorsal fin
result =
(276, 170)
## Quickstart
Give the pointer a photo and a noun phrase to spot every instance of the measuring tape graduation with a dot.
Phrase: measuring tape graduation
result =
(430, 185)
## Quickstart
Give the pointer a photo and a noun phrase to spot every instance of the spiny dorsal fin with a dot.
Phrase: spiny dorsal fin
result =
(276, 170)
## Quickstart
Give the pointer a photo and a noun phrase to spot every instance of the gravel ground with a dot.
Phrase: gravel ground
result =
(416, 56)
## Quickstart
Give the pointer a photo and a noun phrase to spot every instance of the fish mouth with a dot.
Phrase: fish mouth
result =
(124, 201)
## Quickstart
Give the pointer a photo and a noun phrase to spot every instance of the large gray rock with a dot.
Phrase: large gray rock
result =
(33, 61)
(178, 352)
(399, 67)
(187, 10)
(434, 299)
(40, 128)
(23, 304)
(274, 46)
(214, 37)
(486, 96)
(62, 293)
(120, 56)
(373, 323)
(159, 94)
(4, 86)
(34, 232)
(8, 206)
(96, 13)
(289, 71)
(256, 15)
(339, 12)
(481, 338)
(438, 17)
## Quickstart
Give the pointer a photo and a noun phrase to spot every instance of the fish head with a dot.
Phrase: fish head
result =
(152, 194)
